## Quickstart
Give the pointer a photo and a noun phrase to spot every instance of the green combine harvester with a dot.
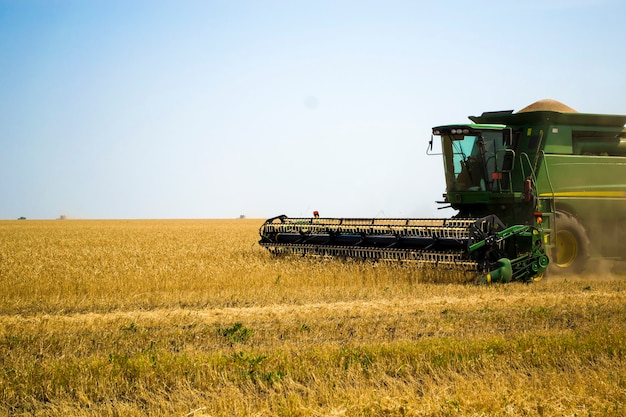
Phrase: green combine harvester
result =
(542, 186)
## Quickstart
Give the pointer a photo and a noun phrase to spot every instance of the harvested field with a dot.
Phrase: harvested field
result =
(192, 318)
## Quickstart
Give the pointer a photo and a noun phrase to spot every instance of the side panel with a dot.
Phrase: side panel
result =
(593, 188)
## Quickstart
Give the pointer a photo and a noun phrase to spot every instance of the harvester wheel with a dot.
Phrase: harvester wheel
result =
(538, 277)
(571, 245)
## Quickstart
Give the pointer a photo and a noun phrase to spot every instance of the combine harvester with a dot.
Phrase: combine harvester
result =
(543, 183)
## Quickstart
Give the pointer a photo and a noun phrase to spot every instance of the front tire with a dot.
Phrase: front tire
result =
(571, 250)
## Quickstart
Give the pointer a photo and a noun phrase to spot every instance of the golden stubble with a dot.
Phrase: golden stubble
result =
(179, 317)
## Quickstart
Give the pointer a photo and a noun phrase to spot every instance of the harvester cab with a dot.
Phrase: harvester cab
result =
(480, 163)
(476, 159)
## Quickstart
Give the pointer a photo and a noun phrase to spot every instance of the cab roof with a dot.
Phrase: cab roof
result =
(471, 126)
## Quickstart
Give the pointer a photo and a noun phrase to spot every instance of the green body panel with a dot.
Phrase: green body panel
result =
(584, 185)
(593, 189)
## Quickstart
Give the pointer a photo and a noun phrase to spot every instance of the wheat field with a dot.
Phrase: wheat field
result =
(193, 318)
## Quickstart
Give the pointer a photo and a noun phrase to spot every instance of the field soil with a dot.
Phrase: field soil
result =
(193, 318)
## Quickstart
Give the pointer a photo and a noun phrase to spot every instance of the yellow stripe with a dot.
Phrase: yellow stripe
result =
(585, 194)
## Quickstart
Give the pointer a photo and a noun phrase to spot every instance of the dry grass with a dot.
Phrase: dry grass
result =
(137, 318)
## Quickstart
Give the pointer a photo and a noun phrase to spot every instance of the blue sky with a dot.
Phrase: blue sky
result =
(213, 109)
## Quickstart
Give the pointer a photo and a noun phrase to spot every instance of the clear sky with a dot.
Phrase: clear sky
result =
(215, 109)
